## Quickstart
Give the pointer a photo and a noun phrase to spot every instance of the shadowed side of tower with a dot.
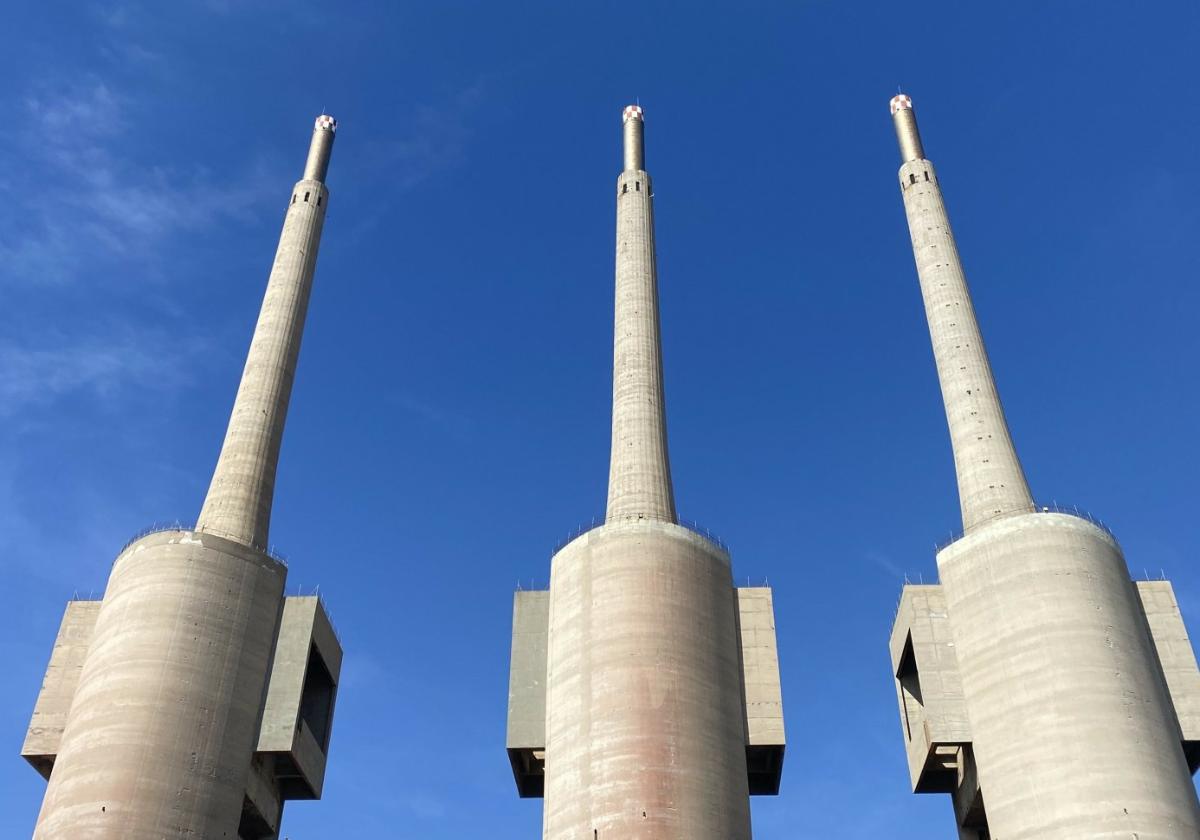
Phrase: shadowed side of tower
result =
(1052, 697)
(644, 694)
(194, 699)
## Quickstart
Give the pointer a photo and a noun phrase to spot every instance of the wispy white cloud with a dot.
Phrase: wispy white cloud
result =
(103, 366)
(83, 214)
(82, 196)
(885, 562)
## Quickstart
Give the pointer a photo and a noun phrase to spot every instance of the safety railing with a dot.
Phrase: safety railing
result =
(1053, 507)
(159, 527)
(695, 527)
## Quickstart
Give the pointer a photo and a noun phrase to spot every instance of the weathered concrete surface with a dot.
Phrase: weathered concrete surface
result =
(1073, 730)
(652, 729)
(526, 733)
(991, 482)
(639, 479)
(297, 714)
(762, 696)
(762, 700)
(645, 728)
(238, 505)
(933, 711)
(58, 686)
(165, 718)
(160, 740)
(297, 719)
(1177, 659)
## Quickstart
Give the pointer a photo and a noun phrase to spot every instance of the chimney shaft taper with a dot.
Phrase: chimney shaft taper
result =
(991, 482)
(238, 504)
(639, 479)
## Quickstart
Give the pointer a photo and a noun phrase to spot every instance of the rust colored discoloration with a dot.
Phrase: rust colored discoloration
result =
(644, 706)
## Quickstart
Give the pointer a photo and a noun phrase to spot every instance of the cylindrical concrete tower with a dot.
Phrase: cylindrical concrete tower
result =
(645, 729)
(164, 723)
(1073, 732)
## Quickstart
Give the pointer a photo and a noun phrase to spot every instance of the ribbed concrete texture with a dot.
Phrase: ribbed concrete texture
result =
(162, 731)
(1072, 731)
(645, 729)
(639, 479)
(656, 681)
(991, 482)
(165, 718)
(239, 499)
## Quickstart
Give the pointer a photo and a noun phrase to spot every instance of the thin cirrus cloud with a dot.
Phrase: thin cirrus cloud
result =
(85, 216)
(84, 193)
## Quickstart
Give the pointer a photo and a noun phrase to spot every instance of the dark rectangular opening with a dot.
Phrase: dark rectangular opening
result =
(764, 766)
(529, 770)
(253, 826)
(910, 686)
(316, 699)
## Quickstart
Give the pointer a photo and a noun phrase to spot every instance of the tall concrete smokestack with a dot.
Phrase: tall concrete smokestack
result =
(991, 482)
(639, 477)
(1052, 697)
(194, 699)
(238, 505)
(644, 691)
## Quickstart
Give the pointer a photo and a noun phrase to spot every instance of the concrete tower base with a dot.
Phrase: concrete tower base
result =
(165, 717)
(192, 702)
(1032, 689)
(643, 618)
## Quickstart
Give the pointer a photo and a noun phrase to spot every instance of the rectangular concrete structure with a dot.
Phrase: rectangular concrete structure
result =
(58, 685)
(526, 737)
(933, 711)
(762, 699)
(297, 715)
(762, 695)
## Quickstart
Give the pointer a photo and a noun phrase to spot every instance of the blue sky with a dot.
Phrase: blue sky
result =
(450, 418)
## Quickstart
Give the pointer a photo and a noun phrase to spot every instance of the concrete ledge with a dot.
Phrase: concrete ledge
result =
(298, 714)
(1178, 661)
(761, 693)
(526, 735)
(58, 685)
(933, 714)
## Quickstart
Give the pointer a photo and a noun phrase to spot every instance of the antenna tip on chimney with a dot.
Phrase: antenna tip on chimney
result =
(327, 123)
(632, 112)
(900, 102)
